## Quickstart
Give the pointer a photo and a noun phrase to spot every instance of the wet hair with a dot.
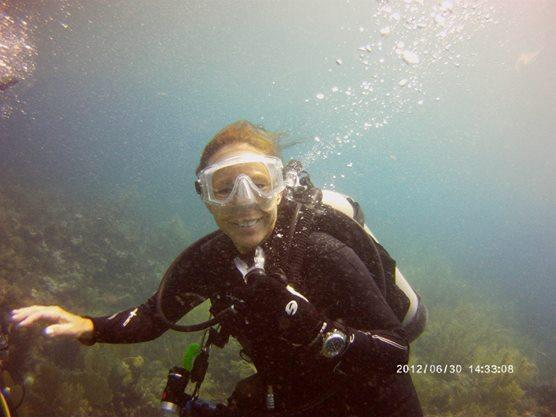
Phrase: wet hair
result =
(242, 132)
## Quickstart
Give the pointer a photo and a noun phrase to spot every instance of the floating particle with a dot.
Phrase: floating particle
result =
(410, 57)
(339, 61)
(319, 96)
(365, 48)
(402, 82)
(349, 164)
(385, 31)
(334, 89)
(420, 102)
(317, 139)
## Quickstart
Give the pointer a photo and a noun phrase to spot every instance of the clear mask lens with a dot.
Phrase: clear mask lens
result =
(242, 180)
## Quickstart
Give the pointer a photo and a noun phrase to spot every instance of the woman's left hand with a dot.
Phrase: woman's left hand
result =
(279, 307)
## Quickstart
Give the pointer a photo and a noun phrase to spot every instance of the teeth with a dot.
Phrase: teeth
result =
(247, 223)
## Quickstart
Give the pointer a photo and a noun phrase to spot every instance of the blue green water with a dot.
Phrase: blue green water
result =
(126, 94)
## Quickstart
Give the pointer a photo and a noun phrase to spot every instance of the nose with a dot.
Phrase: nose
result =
(244, 194)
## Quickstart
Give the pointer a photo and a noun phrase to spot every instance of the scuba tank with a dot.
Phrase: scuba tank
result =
(341, 217)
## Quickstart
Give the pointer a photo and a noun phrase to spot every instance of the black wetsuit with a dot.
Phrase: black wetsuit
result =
(364, 382)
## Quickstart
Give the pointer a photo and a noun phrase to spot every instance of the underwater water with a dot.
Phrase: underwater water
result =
(436, 116)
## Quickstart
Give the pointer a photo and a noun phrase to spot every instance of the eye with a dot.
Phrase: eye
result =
(261, 183)
(223, 191)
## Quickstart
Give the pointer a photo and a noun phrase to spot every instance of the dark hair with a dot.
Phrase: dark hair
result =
(242, 132)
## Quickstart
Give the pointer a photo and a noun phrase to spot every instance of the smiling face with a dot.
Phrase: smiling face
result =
(246, 225)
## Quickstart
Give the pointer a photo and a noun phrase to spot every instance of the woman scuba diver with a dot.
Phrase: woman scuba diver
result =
(313, 315)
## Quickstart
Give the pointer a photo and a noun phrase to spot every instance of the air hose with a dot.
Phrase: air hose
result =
(180, 327)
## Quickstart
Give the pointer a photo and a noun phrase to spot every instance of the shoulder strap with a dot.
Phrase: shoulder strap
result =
(346, 230)
(402, 299)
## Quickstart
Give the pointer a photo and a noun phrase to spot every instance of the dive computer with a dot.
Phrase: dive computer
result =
(333, 343)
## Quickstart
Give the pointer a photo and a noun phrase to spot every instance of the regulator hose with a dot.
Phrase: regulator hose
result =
(180, 327)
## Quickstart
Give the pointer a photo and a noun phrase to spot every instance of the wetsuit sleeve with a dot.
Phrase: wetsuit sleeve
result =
(138, 324)
(349, 298)
(185, 289)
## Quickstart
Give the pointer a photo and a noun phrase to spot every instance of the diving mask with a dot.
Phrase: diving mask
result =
(240, 180)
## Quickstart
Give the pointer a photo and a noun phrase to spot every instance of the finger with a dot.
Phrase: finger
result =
(46, 313)
(56, 330)
(26, 320)
(18, 312)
